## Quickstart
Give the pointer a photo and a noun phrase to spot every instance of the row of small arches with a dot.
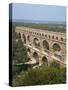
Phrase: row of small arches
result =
(45, 44)
(47, 36)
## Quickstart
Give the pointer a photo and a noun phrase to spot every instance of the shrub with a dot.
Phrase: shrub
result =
(41, 76)
(55, 64)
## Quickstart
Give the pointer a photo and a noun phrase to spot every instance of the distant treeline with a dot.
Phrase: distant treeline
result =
(51, 27)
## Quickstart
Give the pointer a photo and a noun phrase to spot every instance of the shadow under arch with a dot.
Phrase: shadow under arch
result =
(56, 47)
(28, 50)
(28, 38)
(45, 45)
(44, 61)
(57, 50)
(36, 57)
(36, 42)
(24, 38)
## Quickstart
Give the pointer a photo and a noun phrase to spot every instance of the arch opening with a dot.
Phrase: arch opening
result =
(24, 38)
(36, 43)
(52, 37)
(61, 39)
(28, 38)
(56, 47)
(19, 35)
(45, 46)
(44, 61)
(28, 51)
(57, 51)
(36, 57)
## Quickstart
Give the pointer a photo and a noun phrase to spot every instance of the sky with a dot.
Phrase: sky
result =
(38, 12)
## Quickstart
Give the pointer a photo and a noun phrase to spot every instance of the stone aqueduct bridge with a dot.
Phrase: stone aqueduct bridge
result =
(44, 46)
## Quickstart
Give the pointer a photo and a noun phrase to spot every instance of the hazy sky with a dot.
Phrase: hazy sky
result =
(38, 12)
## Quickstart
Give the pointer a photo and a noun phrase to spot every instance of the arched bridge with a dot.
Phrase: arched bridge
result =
(44, 46)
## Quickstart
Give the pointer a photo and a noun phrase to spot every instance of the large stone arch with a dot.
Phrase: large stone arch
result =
(36, 42)
(24, 38)
(36, 57)
(45, 44)
(57, 50)
(44, 61)
(56, 46)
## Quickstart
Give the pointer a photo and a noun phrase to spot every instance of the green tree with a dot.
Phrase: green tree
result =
(20, 53)
(41, 76)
